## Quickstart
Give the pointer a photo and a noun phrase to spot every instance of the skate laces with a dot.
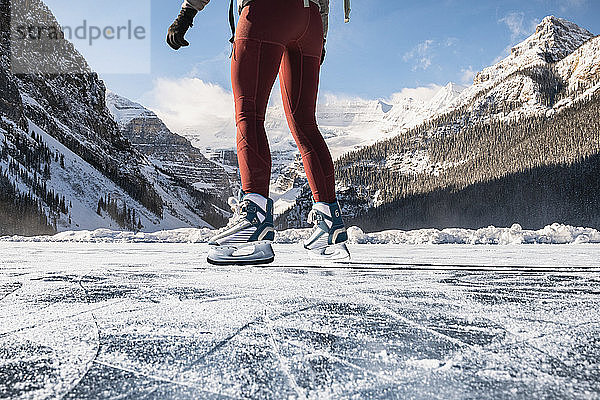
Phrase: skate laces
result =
(239, 209)
(314, 217)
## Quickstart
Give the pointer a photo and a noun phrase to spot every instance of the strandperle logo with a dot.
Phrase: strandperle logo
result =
(72, 37)
(85, 31)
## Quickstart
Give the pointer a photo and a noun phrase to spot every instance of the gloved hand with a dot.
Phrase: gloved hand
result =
(177, 30)
(323, 53)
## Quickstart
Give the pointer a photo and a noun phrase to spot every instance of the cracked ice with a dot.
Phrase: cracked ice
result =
(154, 320)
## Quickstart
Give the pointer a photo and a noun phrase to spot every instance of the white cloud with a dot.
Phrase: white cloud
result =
(423, 93)
(566, 5)
(467, 75)
(451, 41)
(518, 26)
(328, 98)
(514, 21)
(421, 54)
(201, 111)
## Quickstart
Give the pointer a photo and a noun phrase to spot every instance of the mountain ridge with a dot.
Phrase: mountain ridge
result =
(172, 152)
(63, 158)
(487, 130)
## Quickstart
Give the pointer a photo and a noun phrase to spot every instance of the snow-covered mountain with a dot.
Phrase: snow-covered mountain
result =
(347, 125)
(553, 68)
(533, 116)
(63, 161)
(553, 40)
(408, 112)
(173, 153)
(525, 82)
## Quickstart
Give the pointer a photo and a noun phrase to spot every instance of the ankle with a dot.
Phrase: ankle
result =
(257, 199)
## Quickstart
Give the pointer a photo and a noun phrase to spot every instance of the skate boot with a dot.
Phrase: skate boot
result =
(246, 240)
(329, 235)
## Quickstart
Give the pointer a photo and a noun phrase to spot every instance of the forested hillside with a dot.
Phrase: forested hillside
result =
(533, 171)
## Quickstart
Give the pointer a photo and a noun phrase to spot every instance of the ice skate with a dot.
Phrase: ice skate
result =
(246, 240)
(328, 237)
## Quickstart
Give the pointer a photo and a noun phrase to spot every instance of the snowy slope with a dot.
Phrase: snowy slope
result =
(171, 152)
(78, 155)
(83, 185)
(124, 110)
(409, 112)
(580, 72)
(516, 86)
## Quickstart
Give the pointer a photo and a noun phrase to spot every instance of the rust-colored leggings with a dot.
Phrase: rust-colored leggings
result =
(284, 36)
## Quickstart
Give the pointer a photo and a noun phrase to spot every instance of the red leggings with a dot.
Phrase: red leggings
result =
(284, 36)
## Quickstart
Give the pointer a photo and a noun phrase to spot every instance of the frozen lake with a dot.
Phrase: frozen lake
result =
(155, 321)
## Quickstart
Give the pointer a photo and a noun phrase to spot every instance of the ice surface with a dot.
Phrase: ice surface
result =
(155, 321)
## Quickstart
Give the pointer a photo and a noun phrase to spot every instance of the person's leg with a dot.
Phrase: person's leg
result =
(254, 66)
(299, 78)
(259, 43)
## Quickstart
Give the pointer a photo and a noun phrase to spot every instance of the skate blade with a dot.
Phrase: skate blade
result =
(336, 252)
(247, 254)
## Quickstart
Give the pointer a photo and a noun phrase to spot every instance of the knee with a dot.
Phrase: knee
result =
(245, 109)
(305, 122)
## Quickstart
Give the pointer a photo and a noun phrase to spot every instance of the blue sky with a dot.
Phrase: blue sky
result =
(387, 46)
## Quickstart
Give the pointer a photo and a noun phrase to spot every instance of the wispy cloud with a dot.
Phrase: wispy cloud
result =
(566, 5)
(467, 75)
(519, 27)
(422, 54)
(451, 41)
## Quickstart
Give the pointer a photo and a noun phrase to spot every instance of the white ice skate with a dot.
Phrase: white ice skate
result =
(328, 237)
(246, 240)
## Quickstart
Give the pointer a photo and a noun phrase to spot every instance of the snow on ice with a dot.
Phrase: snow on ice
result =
(154, 321)
(551, 234)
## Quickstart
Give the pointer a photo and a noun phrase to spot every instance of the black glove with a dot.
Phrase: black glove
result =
(177, 30)
(323, 53)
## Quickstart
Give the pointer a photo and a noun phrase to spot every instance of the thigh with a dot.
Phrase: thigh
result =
(299, 80)
(311, 41)
(254, 67)
(300, 68)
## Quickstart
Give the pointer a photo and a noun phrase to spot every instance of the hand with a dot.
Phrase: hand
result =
(323, 53)
(178, 29)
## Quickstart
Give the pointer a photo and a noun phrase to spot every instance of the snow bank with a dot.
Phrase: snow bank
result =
(184, 235)
(551, 234)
